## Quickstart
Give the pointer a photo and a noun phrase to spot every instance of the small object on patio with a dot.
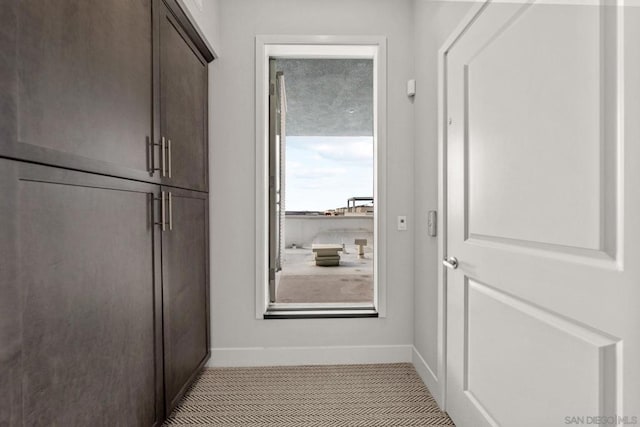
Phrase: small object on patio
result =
(327, 254)
(361, 244)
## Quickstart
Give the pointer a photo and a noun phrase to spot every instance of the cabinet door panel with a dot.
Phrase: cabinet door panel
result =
(10, 301)
(185, 292)
(80, 78)
(183, 104)
(84, 299)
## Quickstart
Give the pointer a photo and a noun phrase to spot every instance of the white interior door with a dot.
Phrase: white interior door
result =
(543, 207)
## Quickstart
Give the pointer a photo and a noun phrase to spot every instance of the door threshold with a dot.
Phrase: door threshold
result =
(319, 311)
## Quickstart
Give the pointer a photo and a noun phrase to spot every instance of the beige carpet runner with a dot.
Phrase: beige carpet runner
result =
(310, 396)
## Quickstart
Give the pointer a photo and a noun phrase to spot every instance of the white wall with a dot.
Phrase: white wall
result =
(434, 22)
(237, 336)
(205, 15)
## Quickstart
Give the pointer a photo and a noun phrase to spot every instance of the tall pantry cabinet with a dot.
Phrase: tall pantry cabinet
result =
(104, 287)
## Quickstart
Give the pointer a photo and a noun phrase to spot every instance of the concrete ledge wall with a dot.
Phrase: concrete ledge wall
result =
(303, 230)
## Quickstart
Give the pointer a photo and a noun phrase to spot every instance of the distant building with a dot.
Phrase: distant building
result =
(352, 209)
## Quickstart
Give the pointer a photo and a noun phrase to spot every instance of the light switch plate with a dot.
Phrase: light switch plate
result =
(433, 223)
(411, 87)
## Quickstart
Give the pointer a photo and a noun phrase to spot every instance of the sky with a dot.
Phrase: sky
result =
(322, 172)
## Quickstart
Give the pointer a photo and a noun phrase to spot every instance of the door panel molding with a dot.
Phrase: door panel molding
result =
(603, 350)
(547, 250)
(601, 172)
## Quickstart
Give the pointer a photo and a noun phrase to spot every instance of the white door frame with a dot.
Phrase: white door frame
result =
(323, 47)
(441, 392)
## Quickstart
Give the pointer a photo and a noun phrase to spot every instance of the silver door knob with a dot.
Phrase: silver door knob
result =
(450, 262)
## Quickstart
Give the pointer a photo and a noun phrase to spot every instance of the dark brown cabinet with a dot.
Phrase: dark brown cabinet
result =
(104, 287)
(185, 293)
(182, 106)
(80, 302)
(76, 82)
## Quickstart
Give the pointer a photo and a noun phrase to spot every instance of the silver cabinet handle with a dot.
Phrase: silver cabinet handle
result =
(162, 222)
(163, 210)
(170, 211)
(169, 154)
(163, 165)
(450, 262)
(164, 156)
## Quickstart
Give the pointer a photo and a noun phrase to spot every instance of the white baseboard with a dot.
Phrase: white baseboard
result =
(292, 356)
(429, 378)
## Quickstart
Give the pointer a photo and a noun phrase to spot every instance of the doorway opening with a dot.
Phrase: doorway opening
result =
(321, 145)
(323, 193)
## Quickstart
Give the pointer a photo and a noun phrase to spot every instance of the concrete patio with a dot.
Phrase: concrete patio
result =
(302, 281)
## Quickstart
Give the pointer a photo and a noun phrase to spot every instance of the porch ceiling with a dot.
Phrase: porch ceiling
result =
(328, 97)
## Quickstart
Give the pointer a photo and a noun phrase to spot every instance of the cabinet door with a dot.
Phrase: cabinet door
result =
(185, 291)
(80, 319)
(76, 84)
(183, 104)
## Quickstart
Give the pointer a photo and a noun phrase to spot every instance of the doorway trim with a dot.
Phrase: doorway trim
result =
(323, 47)
(440, 378)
